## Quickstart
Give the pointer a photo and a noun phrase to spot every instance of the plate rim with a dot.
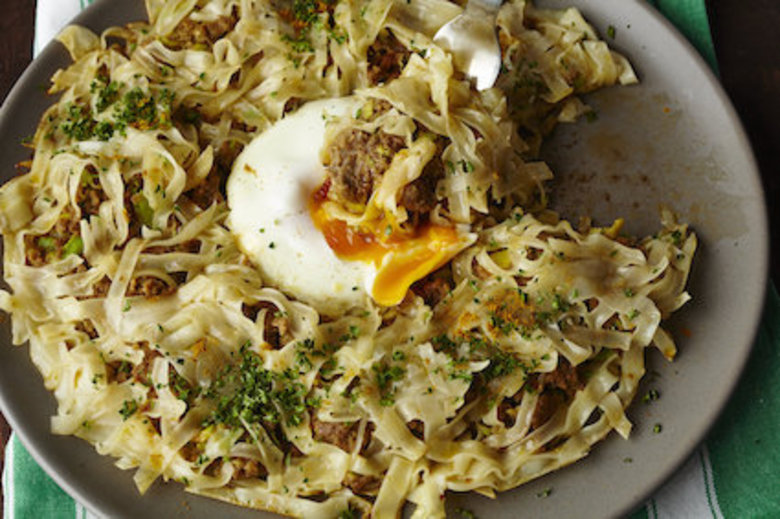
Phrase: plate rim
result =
(88, 17)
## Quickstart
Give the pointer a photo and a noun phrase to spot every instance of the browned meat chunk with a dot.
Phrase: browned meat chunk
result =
(419, 197)
(207, 192)
(100, 289)
(190, 451)
(135, 203)
(149, 286)
(293, 104)
(533, 253)
(564, 377)
(90, 193)
(246, 468)
(386, 58)
(189, 33)
(121, 371)
(546, 405)
(341, 434)
(40, 250)
(555, 389)
(212, 189)
(214, 468)
(34, 253)
(142, 370)
(417, 428)
(358, 159)
(301, 15)
(360, 484)
(432, 289)
(276, 326)
(87, 326)
(507, 412)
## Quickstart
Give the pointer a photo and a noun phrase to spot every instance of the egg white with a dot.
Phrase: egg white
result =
(268, 195)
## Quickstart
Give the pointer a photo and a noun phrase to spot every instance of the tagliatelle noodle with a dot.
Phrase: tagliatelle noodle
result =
(167, 350)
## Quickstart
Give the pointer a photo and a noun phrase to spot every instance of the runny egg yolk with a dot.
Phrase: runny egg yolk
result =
(400, 257)
(301, 250)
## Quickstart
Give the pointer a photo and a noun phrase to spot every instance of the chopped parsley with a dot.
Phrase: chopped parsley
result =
(352, 334)
(386, 377)
(308, 15)
(182, 389)
(677, 237)
(466, 165)
(465, 513)
(464, 375)
(559, 304)
(337, 36)
(302, 361)
(107, 92)
(79, 123)
(651, 396)
(544, 493)
(145, 111)
(501, 364)
(348, 513)
(307, 350)
(103, 130)
(137, 108)
(246, 393)
(299, 44)
(129, 407)
(125, 367)
(504, 326)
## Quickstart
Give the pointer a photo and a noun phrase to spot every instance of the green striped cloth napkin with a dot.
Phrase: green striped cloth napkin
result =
(733, 475)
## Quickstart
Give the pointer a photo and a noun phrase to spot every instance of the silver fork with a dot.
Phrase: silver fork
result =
(471, 38)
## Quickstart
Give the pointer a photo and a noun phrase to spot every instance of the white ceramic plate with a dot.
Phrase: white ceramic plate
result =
(674, 139)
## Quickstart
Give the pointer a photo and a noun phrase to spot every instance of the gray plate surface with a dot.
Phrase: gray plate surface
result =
(672, 140)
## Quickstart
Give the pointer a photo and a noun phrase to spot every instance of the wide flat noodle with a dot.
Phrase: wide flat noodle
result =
(166, 349)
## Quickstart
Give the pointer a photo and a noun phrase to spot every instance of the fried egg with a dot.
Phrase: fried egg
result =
(287, 235)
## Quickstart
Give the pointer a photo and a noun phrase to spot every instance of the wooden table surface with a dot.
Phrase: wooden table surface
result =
(747, 42)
